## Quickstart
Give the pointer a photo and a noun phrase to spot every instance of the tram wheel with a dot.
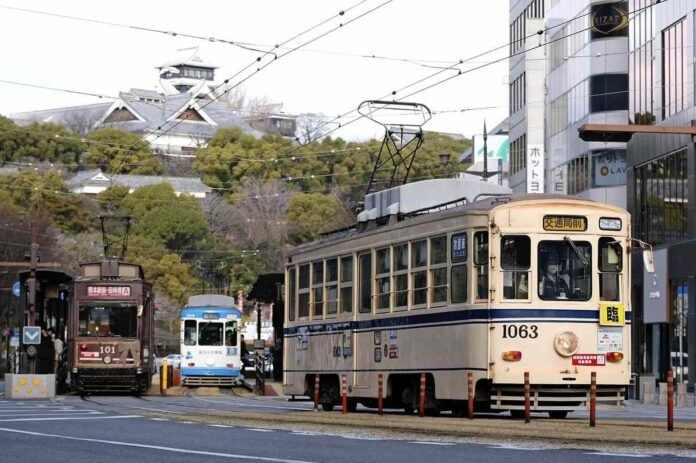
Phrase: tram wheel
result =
(327, 406)
(558, 414)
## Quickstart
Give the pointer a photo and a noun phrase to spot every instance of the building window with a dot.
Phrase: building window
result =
(673, 69)
(579, 174)
(608, 92)
(661, 192)
(640, 63)
(518, 154)
(518, 93)
(679, 297)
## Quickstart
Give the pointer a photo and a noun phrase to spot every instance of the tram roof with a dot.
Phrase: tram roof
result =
(211, 300)
(483, 207)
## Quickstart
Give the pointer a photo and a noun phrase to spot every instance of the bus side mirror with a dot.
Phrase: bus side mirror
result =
(648, 261)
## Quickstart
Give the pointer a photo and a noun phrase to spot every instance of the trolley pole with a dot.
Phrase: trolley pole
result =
(670, 401)
(527, 404)
(593, 399)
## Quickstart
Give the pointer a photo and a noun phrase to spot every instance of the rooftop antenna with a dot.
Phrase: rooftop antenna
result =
(403, 136)
(484, 174)
(112, 237)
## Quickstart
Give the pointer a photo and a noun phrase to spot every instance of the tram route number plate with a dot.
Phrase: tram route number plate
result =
(590, 360)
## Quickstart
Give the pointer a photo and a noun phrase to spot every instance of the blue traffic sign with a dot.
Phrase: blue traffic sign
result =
(16, 289)
(31, 335)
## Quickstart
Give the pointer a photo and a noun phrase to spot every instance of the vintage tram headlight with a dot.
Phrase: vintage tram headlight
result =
(566, 343)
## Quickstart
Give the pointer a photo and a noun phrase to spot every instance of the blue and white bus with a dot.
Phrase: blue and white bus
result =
(210, 344)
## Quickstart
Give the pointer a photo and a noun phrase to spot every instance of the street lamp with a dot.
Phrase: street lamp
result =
(444, 158)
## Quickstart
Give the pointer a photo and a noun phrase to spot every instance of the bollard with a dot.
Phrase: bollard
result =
(163, 378)
(670, 401)
(470, 380)
(344, 394)
(316, 392)
(527, 405)
(380, 384)
(593, 398)
(421, 408)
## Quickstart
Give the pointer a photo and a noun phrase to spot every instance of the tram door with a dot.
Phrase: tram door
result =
(362, 360)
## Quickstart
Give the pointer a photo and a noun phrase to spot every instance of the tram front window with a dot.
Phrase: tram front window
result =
(210, 334)
(190, 332)
(231, 334)
(108, 320)
(565, 270)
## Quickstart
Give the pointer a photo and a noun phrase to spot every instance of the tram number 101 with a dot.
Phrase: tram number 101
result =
(520, 331)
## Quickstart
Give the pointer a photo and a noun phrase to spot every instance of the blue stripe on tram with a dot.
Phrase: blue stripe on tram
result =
(458, 317)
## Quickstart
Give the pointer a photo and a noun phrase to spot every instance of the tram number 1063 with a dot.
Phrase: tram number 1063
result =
(520, 331)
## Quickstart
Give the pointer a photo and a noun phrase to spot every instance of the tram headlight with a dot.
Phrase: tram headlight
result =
(566, 343)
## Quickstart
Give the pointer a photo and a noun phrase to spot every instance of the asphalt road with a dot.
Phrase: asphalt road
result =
(121, 429)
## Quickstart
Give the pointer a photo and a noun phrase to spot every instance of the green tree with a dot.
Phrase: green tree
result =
(116, 151)
(39, 143)
(314, 213)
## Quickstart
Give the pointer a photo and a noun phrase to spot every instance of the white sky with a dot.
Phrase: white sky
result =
(97, 58)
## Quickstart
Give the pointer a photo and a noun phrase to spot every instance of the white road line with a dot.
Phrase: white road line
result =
(219, 426)
(24, 415)
(513, 447)
(612, 454)
(237, 404)
(259, 430)
(157, 447)
(159, 419)
(65, 418)
(432, 443)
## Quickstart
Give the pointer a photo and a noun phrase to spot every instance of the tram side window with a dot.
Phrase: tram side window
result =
(481, 264)
(346, 284)
(419, 272)
(190, 333)
(610, 266)
(210, 334)
(231, 334)
(303, 293)
(366, 283)
(565, 270)
(292, 296)
(458, 284)
(383, 279)
(515, 258)
(400, 271)
(331, 286)
(318, 288)
(438, 269)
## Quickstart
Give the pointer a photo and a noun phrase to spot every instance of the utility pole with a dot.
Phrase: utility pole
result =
(33, 261)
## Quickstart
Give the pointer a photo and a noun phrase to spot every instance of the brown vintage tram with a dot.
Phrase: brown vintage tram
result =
(111, 329)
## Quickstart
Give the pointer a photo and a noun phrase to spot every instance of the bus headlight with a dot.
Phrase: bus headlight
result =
(566, 343)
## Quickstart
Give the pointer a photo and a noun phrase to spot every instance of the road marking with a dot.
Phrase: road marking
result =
(237, 404)
(159, 419)
(431, 443)
(61, 418)
(512, 447)
(219, 426)
(157, 447)
(259, 430)
(612, 454)
(76, 413)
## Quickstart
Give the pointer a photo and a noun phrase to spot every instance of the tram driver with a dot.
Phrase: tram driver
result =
(553, 284)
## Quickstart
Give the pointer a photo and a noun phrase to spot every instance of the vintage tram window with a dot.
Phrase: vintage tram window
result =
(565, 270)
(303, 293)
(365, 283)
(108, 319)
(438, 269)
(481, 264)
(458, 283)
(190, 333)
(292, 296)
(401, 257)
(400, 276)
(210, 334)
(231, 333)
(610, 266)
(515, 258)
(318, 288)
(419, 273)
(347, 284)
(383, 279)
(331, 286)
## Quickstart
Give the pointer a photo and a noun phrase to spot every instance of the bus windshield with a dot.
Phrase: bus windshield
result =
(105, 319)
(565, 270)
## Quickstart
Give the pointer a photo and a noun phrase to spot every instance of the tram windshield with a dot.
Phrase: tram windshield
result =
(565, 270)
(209, 334)
(104, 319)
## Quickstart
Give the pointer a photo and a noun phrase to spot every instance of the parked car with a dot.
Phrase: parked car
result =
(174, 360)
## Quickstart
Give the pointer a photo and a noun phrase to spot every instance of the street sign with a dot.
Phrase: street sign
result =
(31, 335)
(16, 289)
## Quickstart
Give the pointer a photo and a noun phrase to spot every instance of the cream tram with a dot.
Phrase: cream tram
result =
(489, 283)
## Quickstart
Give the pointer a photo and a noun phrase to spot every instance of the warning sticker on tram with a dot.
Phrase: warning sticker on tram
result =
(565, 223)
(590, 360)
(611, 314)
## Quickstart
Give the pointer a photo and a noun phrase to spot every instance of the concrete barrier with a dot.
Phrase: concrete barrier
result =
(25, 386)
